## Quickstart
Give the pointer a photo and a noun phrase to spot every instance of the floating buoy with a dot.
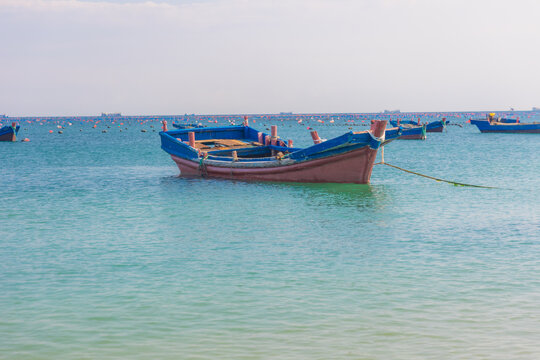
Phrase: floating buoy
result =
(60, 132)
(143, 130)
(50, 131)
(25, 140)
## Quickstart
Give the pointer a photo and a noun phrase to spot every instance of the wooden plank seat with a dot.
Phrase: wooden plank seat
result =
(224, 144)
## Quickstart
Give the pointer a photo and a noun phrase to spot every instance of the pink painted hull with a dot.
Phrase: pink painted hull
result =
(352, 167)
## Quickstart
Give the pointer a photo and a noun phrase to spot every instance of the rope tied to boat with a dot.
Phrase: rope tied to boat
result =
(202, 166)
(379, 139)
(455, 183)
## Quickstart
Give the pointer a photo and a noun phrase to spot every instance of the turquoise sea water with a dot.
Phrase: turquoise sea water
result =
(105, 253)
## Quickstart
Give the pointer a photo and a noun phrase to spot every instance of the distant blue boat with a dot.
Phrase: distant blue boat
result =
(496, 126)
(409, 131)
(437, 126)
(9, 133)
(434, 126)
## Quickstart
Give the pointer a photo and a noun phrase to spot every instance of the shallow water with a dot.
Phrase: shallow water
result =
(106, 253)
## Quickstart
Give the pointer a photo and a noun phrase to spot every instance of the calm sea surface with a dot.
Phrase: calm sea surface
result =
(105, 253)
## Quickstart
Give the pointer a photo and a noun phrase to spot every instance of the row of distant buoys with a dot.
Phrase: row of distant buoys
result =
(426, 116)
(308, 121)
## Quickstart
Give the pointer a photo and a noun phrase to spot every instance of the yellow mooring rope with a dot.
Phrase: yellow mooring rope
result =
(434, 178)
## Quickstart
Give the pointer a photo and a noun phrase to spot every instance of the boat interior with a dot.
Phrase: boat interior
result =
(244, 148)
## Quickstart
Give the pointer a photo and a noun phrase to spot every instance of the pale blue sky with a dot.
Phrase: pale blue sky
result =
(74, 57)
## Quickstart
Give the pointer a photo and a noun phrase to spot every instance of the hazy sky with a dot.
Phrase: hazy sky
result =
(75, 57)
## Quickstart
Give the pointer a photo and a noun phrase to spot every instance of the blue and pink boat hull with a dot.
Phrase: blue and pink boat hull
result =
(348, 158)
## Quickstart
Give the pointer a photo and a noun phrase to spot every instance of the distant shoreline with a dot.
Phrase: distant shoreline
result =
(261, 115)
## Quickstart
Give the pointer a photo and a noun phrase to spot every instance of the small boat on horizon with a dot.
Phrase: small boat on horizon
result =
(244, 153)
(9, 133)
(501, 125)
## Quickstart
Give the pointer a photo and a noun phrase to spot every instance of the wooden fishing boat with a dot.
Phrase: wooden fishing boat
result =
(412, 132)
(434, 126)
(437, 125)
(243, 153)
(9, 133)
(491, 125)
